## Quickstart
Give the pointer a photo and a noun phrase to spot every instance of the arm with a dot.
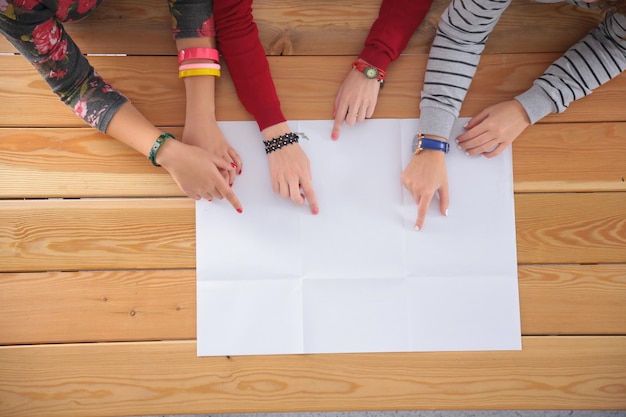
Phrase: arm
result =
(357, 96)
(193, 27)
(454, 56)
(593, 61)
(37, 34)
(239, 42)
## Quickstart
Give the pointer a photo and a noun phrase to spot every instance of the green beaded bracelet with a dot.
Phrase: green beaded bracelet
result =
(157, 145)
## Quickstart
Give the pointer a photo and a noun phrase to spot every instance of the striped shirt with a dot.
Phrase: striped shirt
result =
(460, 40)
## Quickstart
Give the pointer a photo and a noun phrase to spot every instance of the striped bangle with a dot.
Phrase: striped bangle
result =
(201, 71)
(157, 145)
(184, 67)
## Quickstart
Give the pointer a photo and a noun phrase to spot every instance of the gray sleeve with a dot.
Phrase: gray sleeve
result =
(461, 35)
(597, 58)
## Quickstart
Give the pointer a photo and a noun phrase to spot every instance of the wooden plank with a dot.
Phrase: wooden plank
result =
(69, 235)
(304, 94)
(572, 299)
(74, 163)
(81, 162)
(571, 228)
(109, 306)
(104, 306)
(300, 27)
(566, 157)
(167, 378)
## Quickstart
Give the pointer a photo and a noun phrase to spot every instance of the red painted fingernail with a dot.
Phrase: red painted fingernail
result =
(334, 136)
(240, 171)
(315, 211)
(239, 210)
(234, 165)
(230, 185)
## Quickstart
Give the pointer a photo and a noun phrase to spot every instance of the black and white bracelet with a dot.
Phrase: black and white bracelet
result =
(284, 140)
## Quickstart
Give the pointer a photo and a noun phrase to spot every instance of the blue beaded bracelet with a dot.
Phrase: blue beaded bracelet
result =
(157, 145)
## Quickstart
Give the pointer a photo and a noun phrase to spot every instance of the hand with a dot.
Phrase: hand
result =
(423, 176)
(493, 129)
(197, 172)
(209, 136)
(355, 101)
(290, 170)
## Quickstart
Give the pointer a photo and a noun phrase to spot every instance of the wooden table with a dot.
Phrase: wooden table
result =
(97, 247)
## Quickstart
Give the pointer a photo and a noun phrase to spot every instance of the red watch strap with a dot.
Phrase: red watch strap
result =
(361, 66)
(198, 53)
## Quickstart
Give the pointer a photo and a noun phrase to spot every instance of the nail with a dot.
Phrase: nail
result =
(240, 171)
(446, 213)
(467, 153)
(234, 165)
(230, 185)
(315, 211)
(459, 147)
(239, 210)
(456, 140)
(334, 136)
(417, 228)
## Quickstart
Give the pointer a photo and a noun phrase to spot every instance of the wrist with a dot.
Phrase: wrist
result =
(423, 143)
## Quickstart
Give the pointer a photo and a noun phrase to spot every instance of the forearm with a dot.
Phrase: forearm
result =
(397, 21)
(453, 61)
(238, 41)
(596, 59)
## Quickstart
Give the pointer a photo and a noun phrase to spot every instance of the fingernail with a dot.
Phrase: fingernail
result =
(456, 140)
(417, 228)
(459, 147)
(315, 211)
(334, 136)
(467, 153)
(446, 213)
(234, 165)
(239, 210)
(240, 171)
(230, 185)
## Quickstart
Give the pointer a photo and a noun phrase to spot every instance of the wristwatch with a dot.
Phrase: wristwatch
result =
(420, 142)
(370, 71)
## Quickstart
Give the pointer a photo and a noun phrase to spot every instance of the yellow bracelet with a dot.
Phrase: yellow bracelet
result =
(199, 71)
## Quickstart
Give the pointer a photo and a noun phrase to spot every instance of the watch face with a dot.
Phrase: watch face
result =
(370, 72)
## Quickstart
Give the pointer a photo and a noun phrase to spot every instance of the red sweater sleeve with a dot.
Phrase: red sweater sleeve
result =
(390, 33)
(239, 44)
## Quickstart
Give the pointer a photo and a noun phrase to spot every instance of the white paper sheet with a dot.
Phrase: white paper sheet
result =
(357, 277)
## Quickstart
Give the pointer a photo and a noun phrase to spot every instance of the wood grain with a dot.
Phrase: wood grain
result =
(304, 95)
(142, 305)
(300, 27)
(571, 228)
(69, 235)
(81, 162)
(167, 378)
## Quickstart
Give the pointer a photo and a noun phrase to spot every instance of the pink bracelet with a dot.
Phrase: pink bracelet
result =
(198, 66)
(198, 53)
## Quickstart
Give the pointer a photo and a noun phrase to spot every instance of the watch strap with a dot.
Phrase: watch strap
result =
(420, 142)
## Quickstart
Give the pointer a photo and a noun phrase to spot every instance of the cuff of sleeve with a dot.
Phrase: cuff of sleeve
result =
(270, 116)
(437, 122)
(375, 57)
(536, 102)
(107, 115)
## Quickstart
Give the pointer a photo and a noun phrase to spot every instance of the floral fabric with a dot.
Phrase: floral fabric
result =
(35, 28)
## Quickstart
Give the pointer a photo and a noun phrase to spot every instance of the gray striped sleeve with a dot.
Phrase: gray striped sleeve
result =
(454, 56)
(597, 58)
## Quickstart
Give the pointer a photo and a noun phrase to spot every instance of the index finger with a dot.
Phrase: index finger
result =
(337, 126)
(230, 195)
(309, 194)
(422, 210)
